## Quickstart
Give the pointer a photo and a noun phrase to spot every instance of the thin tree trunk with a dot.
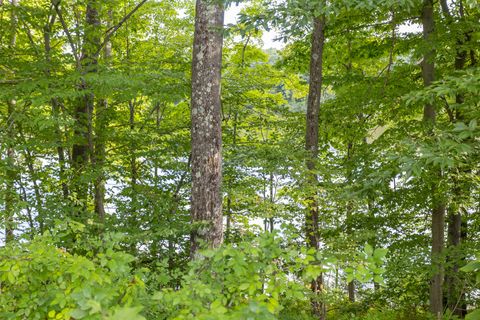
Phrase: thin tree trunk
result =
(133, 157)
(47, 30)
(311, 146)
(28, 209)
(264, 197)
(272, 202)
(453, 291)
(60, 150)
(373, 242)
(83, 145)
(438, 207)
(228, 230)
(134, 207)
(351, 284)
(10, 193)
(228, 225)
(29, 160)
(11, 174)
(99, 154)
(454, 295)
(206, 203)
(155, 243)
(173, 212)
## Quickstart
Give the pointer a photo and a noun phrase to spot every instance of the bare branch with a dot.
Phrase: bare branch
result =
(56, 4)
(451, 117)
(113, 29)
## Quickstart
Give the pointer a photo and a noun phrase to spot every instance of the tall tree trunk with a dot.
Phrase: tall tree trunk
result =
(47, 30)
(82, 147)
(133, 158)
(99, 153)
(351, 284)
(455, 298)
(11, 194)
(311, 146)
(134, 206)
(206, 203)
(437, 206)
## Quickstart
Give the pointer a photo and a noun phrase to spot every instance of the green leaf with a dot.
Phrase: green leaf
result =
(126, 313)
(380, 253)
(474, 315)
(471, 266)
(368, 249)
(244, 286)
(378, 279)
(95, 307)
(78, 313)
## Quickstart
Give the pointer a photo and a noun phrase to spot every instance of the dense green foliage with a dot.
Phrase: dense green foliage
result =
(377, 165)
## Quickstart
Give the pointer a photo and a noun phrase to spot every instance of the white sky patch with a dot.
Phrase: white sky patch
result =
(268, 37)
(410, 28)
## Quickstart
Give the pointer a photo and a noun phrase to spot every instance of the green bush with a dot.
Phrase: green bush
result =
(40, 280)
(72, 274)
(249, 280)
(473, 267)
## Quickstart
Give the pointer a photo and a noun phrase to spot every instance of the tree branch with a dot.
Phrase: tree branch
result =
(113, 29)
(449, 110)
(55, 4)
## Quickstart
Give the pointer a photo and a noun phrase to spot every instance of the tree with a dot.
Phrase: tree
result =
(10, 194)
(437, 205)
(206, 203)
(311, 146)
(457, 220)
(82, 149)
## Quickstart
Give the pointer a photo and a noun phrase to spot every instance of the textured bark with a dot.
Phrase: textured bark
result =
(83, 144)
(311, 146)
(206, 202)
(351, 291)
(438, 208)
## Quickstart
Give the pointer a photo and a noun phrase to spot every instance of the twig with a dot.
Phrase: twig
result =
(449, 110)
(30, 38)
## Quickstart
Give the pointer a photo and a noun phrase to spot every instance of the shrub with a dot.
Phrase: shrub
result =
(40, 280)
